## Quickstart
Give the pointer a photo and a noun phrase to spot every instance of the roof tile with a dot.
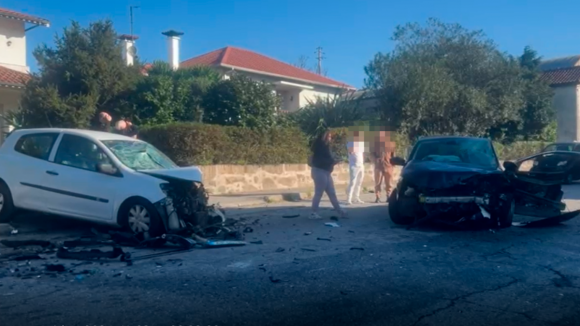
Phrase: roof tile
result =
(562, 76)
(9, 77)
(27, 18)
(246, 59)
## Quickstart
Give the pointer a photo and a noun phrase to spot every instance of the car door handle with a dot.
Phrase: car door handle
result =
(52, 172)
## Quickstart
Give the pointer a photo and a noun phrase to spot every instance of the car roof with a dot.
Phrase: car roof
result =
(451, 137)
(97, 135)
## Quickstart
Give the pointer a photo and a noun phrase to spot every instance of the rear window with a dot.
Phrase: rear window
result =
(36, 145)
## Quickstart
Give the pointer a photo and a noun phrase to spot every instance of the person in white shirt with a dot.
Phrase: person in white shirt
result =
(356, 149)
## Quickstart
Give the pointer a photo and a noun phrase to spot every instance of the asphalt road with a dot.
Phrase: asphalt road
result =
(420, 277)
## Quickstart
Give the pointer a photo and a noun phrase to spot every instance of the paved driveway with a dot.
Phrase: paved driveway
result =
(366, 272)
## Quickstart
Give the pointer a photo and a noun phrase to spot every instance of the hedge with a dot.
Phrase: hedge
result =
(203, 144)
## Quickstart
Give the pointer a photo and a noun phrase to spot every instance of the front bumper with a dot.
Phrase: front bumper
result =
(453, 200)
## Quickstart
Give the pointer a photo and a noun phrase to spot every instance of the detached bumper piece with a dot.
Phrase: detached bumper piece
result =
(547, 222)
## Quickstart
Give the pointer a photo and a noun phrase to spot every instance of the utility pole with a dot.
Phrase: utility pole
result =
(131, 13)
(319, 57)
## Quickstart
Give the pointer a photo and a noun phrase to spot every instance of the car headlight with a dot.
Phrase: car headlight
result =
(164, 187)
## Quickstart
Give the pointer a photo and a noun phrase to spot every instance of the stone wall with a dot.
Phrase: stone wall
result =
(229, 179)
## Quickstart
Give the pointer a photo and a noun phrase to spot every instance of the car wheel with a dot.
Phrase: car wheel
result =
(6, 204)
(139, 217)
(395, 211)
(506, 215)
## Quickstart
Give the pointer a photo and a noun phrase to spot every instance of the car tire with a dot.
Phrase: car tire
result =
(6, 203)
(506, 215)
(395, 212)
(139, 216)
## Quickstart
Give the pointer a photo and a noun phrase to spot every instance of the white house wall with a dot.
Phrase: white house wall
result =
(294, 99)
(565, 103)
(13, 56)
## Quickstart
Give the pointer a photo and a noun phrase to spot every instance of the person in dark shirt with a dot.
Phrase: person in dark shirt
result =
(322, 164)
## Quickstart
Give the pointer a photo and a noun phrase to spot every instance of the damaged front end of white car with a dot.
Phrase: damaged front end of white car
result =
(186, 210)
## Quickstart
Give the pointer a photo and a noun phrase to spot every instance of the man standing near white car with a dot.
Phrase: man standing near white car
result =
(356, 149)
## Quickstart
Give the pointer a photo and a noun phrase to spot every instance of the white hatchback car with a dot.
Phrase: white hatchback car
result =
(97, 176)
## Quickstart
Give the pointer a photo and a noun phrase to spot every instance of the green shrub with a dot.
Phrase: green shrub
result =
(519, 149)
(203, 144)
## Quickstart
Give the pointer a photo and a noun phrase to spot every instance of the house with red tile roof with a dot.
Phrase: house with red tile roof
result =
(14, 71)
(563, 75)
(296, 87)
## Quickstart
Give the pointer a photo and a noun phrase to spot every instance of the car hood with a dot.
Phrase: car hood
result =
(441, 174)
(190, 173)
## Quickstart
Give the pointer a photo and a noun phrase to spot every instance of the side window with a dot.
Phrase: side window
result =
(36, 145)
(80, 153)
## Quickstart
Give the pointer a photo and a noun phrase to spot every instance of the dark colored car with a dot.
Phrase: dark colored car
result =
(557, 158)
(459, 181)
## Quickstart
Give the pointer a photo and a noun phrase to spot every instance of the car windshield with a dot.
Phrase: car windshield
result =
(464, 151)
(139, 155)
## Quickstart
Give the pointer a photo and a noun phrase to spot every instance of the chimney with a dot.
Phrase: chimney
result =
(129, 49)
(173, 47)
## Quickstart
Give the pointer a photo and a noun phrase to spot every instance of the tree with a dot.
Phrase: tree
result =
(445, 79)
(168, 95)
(83, 73)
(330, 112)
(241, 101)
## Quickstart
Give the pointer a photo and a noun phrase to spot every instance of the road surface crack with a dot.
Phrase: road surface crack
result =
(453, 301)
(562, 281)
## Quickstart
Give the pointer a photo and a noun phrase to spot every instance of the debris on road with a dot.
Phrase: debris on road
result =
(550, 221)
(323, 239)
(307, 233)
(306, 249)
(291, 216)
(248, 230)
(274, 280)
(27, 257)
(55, 268)
(332, 224)
(26, 243)
(259, 242)
(280, 250)
(93, 254)
(334, 218)
(357, 248)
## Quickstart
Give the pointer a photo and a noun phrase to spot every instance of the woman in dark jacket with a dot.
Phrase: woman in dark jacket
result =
(322, 164)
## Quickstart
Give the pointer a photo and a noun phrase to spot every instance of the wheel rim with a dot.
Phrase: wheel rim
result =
(139, 219)
(1, 202)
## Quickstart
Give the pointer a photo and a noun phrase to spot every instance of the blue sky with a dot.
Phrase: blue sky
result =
(351, 32)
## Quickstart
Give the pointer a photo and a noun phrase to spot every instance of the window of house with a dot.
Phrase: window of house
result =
(36, 145)
(81, 153)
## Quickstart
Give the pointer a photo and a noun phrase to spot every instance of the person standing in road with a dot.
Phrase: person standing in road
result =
(322, 164)
(382, 153)
(356, 167)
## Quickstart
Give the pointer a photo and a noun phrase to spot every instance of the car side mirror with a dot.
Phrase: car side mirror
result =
(398, 161)
(107, 169)
(510, 166)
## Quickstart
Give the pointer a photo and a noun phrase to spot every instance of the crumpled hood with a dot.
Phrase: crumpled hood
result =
(190, 173)
(440, 174)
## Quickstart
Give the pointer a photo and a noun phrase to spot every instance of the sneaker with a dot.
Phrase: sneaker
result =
(358, 201)
(347, 203)
(315, 216)
(378, 200)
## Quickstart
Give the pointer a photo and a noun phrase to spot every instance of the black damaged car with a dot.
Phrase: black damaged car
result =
(458, 181)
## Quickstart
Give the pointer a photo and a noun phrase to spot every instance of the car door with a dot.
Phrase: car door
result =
(28, 165)
(79, 189)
